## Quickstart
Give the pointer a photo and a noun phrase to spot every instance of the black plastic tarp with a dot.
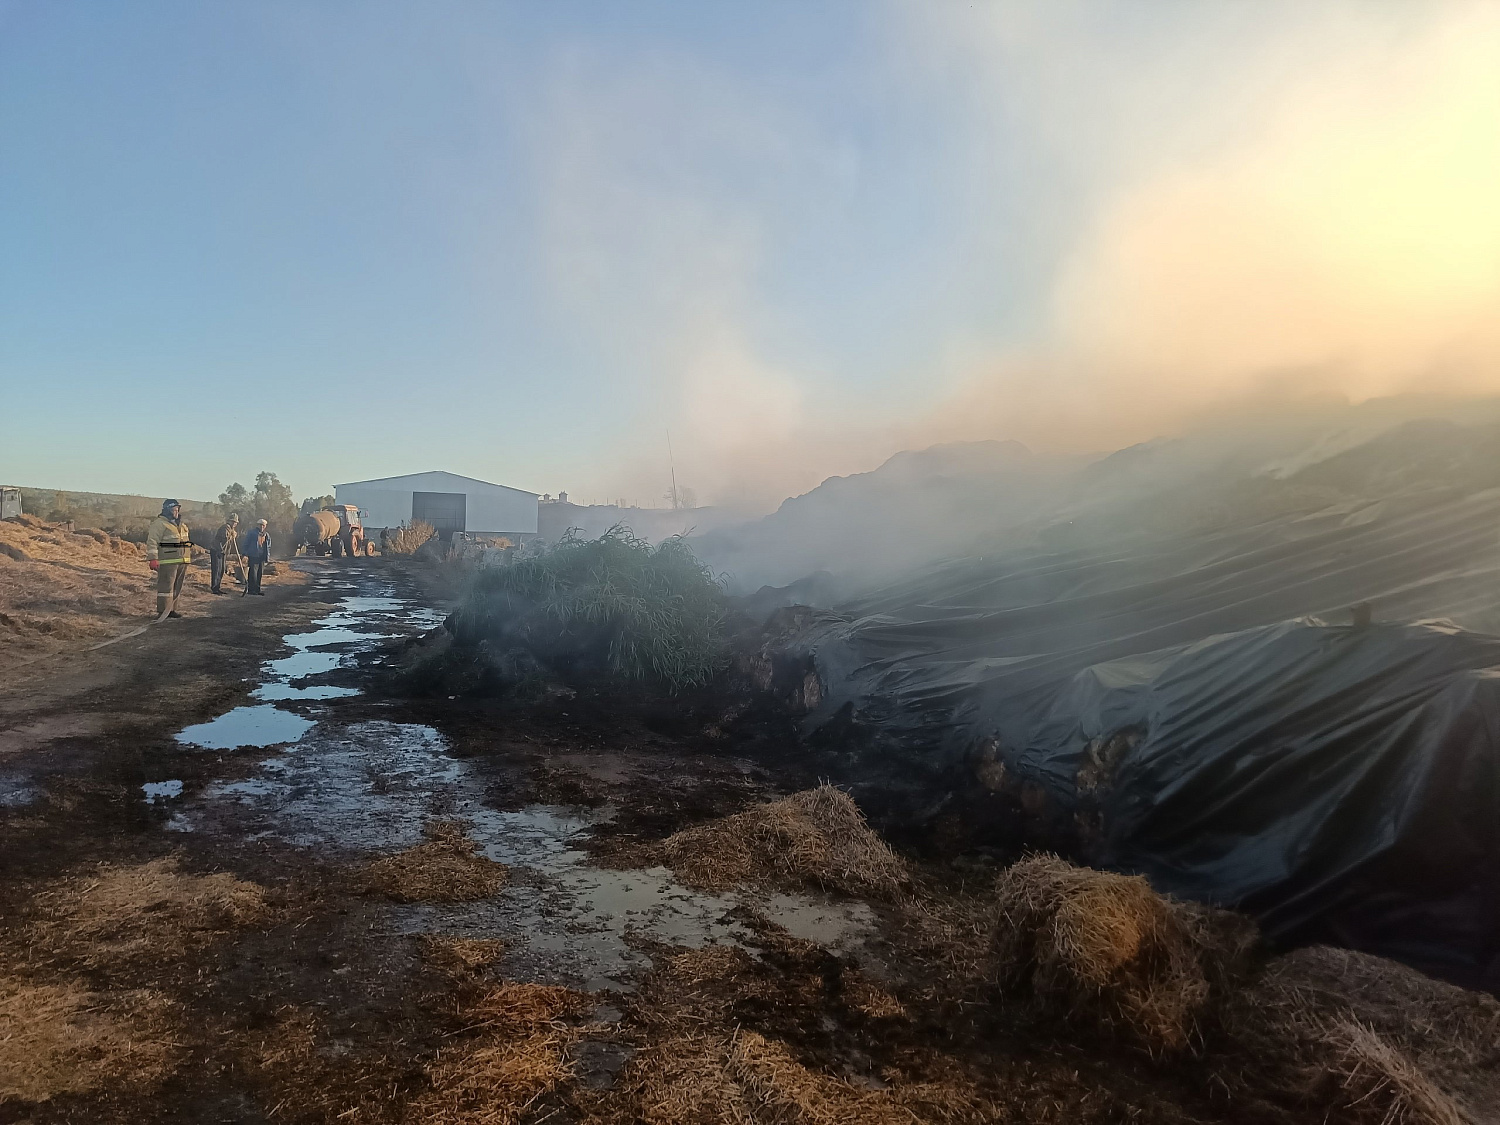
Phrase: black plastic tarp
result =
(1338, 784)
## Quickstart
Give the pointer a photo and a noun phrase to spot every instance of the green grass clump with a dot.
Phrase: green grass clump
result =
(643, 612)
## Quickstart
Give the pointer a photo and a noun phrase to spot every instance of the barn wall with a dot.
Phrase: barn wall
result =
(383, 507)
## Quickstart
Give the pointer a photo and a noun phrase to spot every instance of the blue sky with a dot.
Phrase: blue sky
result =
(522, 241)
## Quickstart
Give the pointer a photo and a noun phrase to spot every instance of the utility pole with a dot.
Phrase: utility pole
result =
(672, 463)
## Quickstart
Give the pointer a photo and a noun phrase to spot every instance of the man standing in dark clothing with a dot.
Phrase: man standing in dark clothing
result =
(224, 541)
(257, 551)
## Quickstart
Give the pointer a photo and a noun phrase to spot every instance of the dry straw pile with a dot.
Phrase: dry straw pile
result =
(406, 540)
(1109, 948)
(59, 589)
(444, 869)
(815, 838)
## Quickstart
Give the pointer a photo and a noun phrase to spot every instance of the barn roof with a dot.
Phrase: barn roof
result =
(433, 476)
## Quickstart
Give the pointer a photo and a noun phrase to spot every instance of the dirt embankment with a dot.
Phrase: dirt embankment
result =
(61, 589)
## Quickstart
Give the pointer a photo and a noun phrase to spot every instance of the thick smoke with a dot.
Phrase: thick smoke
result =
(1233, 205)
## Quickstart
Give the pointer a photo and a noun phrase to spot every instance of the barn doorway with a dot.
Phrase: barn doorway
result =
(444, 510)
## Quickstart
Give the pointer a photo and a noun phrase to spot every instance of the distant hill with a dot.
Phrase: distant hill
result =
(125, 516)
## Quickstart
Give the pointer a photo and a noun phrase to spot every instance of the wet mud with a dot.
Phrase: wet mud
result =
(286, 765)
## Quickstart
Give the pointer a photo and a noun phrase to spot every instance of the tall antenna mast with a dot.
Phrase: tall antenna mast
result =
(672, 464)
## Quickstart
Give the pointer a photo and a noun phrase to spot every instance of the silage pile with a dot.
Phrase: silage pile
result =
(59, 588)
(816, 838)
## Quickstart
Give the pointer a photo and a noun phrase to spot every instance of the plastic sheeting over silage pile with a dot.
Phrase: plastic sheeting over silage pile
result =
(1341, 785)
(1175, 703)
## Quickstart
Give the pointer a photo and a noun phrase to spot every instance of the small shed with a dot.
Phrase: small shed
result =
(10, 503)
(447, 501)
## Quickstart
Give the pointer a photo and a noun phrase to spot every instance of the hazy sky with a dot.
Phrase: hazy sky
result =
(521, 241)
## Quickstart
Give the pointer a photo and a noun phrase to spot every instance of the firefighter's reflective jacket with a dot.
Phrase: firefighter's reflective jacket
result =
(167, 542)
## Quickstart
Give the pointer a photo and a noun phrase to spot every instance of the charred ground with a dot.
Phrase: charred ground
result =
(235, 976)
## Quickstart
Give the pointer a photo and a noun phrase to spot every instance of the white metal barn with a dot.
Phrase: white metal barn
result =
(446, 500)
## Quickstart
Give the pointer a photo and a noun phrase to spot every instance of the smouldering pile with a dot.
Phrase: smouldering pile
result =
(814, 838)
(444, 869)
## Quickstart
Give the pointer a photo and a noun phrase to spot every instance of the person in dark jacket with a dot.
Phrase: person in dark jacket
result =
(256, 550)
(222, 544)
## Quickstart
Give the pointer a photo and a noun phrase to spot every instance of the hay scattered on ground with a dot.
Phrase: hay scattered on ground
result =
(150, 909)
(461, 954)
(59, 1038)
(1109, 948)
(446, 868)
(514, 1054)
(816, 838)
(311, 1075)
(864, 996)
(1375, 1041)
(744, 1078)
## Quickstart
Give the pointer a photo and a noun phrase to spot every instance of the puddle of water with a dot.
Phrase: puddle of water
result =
(372, 787)
(17, 792)
(263, 725)
(333, 635)
(283, 691)
(368, 786)
(841, 926)
(162, 791)
(304, 663)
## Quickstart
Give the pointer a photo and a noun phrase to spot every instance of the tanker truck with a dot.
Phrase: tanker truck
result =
(335, 530)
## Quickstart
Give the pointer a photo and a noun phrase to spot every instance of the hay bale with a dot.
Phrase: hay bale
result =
(1109, 948)
(150, 909)
(814, 838)
(60, 1038)
(444, 869)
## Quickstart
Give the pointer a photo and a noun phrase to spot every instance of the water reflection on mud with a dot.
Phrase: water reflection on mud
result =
(367, 786)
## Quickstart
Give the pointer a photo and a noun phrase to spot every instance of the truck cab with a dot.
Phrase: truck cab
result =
(349, 516)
